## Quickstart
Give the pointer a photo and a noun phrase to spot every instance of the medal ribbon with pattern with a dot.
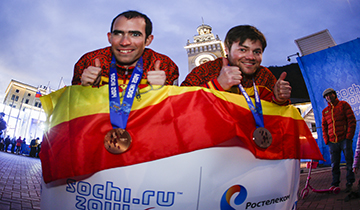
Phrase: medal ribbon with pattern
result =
(261, 136)
(257, 109)
(119, 112)
(118, 140)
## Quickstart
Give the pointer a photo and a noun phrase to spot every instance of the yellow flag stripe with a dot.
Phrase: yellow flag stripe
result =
(77, 101)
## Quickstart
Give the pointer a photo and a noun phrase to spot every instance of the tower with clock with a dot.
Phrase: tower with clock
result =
(206, 47)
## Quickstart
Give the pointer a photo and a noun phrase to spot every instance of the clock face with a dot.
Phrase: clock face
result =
(203, 59)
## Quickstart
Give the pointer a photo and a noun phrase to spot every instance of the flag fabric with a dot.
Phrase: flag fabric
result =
(38, 94)
(163, 122)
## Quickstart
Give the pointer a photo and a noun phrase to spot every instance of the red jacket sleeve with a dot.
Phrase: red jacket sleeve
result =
(351, 121)
(324, 126)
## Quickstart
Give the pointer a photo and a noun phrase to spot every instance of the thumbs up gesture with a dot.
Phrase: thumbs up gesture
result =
(282, 88)
(229, 75)
(92, 74)
(156, 77)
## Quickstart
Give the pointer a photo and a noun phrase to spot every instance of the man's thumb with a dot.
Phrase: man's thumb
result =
(225, 61)
(97, 62)
(157, 65)
(283, 76)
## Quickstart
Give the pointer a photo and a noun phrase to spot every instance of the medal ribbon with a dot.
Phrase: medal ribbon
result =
(119, 112)
(257, 109)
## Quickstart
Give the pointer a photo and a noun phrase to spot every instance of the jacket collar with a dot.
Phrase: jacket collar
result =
(336, 101)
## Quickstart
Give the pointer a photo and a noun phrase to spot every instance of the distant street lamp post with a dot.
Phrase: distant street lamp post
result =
(289, 57)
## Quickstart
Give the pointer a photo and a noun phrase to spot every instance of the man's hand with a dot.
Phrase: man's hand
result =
(92, 74)
(156, 77)
(355, 170)
(229, 75)
(282, 89)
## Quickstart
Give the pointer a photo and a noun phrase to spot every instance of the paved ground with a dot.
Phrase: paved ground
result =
(321, 179)
(20, 186)
(20, 178)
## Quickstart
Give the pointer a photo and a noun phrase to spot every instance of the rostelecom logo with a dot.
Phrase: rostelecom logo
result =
(240, 198)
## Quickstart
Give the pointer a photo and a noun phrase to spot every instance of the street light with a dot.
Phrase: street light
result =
(289, 57)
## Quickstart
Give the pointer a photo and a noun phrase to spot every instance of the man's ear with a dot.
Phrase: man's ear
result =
(149, 39)
(109, 37)
(227, 51)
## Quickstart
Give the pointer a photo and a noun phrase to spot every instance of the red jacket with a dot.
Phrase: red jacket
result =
(18, 142)
(206, 75)
(338, 122)
(105, 55)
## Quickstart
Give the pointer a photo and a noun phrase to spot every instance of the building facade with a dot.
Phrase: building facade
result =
(23, 111)
(307, 114)
(206, 47)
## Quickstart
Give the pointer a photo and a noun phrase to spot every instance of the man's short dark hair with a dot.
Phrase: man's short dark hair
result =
(242, 33)
(135, 14)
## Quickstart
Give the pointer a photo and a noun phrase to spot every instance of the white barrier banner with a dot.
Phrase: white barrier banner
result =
(224, 178)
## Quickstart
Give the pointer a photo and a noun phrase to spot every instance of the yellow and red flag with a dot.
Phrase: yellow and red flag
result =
(163, 122)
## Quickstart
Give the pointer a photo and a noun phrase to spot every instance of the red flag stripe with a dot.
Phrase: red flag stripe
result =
(178, 124)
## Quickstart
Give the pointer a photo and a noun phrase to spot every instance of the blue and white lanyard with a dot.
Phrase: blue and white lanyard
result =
(257, 109)
(119, 112)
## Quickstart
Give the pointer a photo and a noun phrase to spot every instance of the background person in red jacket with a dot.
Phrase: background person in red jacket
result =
(18, 145)
(338, 125)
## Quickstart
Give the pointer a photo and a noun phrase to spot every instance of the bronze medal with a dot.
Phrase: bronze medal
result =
(117, 141)
(262, 137)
